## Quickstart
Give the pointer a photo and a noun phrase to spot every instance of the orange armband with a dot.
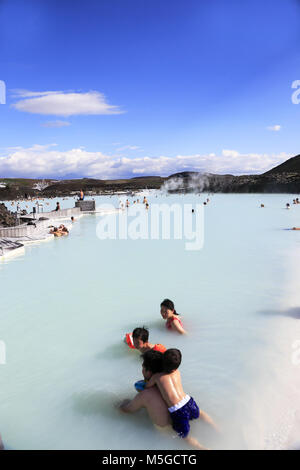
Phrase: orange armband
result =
(129, 340)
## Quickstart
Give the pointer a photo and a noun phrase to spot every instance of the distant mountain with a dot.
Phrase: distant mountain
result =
(284, 178)
(184, 174)
(292, 165)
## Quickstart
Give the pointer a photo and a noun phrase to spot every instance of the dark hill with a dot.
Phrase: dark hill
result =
(292, 165)
(7, 218)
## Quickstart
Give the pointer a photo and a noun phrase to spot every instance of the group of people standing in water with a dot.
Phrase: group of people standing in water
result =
(161, 392)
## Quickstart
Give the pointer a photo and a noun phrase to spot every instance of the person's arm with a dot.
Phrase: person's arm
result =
(177, 327)
(131, 406)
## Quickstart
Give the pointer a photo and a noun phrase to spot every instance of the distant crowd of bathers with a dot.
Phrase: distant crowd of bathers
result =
(161, 391)
(126, 205)
(288, 206)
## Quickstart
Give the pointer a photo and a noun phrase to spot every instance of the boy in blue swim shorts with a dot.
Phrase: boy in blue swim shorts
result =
(182, 407)
(182, 413)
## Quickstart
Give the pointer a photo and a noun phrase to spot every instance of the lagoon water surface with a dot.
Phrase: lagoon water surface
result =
(67, 303)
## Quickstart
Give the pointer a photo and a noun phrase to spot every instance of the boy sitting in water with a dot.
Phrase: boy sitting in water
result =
(139, 339)
(182, 407)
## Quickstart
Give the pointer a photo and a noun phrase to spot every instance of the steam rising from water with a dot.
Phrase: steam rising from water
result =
(193, 182)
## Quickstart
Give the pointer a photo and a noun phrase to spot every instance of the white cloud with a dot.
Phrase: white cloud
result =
(55, 124)
(46, 161)
(230, 153)
(63, 103)
(275, 128)
(128, 147)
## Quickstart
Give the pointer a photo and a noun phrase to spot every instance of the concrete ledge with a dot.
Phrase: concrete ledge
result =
(63, 213)
(23, 230)
(84, 206)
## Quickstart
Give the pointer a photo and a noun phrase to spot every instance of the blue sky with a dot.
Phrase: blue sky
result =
(118, 88)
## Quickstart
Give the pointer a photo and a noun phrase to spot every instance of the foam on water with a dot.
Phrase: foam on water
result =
(66, 304)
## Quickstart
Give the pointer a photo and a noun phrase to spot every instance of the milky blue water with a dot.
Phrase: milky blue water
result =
(66, 304)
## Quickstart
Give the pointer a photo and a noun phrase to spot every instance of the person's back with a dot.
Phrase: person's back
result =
(170, 387)
(152, 400)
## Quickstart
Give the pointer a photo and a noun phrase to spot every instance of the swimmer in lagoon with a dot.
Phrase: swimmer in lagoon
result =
(64, 230)
(140, 340)
(57, 208)
(60, 231)
(168, 312)
(150, 399)
(182, 407)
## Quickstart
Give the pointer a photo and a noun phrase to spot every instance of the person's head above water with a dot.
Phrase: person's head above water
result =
(171, 360)
(167, 309)
(140, 336)
(152, 363)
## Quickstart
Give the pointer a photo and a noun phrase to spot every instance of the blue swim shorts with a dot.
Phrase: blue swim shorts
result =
(182, 413)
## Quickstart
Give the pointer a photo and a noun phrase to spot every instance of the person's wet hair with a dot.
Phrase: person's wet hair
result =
(153, 361)
(141, 333)
(169, 305)
(171, 360)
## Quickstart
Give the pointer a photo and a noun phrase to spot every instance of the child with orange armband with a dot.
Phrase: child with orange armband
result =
(139, 339)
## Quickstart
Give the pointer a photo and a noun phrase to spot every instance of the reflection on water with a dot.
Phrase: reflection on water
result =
(290, 312)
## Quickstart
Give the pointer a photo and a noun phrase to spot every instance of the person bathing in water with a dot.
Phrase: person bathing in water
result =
(150, 399)
(139, 339)
(168, 312)
(182, 407)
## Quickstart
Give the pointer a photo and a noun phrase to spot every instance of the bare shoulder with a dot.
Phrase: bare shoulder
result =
(164, 378)
(157, 377)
